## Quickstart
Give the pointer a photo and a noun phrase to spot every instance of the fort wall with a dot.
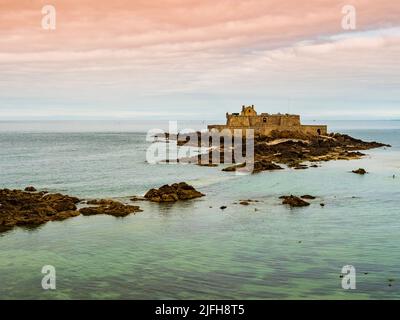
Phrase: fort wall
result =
(264, 123)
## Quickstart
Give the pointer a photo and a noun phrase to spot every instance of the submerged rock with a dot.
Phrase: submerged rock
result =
(300, 167)
(294, 201)
(360, 171)
(207, 164)
(173, 193)
(307, 196)
(137, 198)
(109, 207)
(30, 189)
(258, 166)
(234, 167)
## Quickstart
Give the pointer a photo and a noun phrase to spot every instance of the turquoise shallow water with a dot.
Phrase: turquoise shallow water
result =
(193, 249)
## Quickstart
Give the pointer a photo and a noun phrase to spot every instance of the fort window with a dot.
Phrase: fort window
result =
(319, 131)
(264, 120)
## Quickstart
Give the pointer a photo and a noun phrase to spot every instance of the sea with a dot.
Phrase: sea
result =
(194, 249)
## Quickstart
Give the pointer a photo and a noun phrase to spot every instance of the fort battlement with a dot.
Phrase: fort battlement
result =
(265, 123)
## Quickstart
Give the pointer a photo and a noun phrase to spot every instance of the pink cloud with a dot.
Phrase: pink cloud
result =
(96, 24)
(137, 48)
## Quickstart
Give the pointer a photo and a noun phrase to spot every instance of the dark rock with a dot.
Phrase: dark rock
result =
(28, 209)
(223, 207)
(207, 164)
(136, 198)
(295, 148)
(322, 204)
(264, 165)
(244, 203)
(109, 207)
(234, 167)
(30, 189)
(360, 171)
(261, 165)
(101, 202)
(294, 201)
(307, 196)
(300, 167)
(21, 208)
(61, 202)
(172, 193)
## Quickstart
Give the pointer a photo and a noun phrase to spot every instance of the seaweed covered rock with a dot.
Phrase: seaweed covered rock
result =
(258, 166)
(172, 193)
(360, 171)
(307, 196)
(30, 208)
(109, 207)
(293, 149)
(294, 201)
(18, 208)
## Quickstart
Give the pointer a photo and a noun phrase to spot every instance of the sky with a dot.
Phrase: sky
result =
(198, 59)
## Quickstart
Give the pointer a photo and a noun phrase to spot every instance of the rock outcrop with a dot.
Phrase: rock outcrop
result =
(308, 197)
(30, 189)
(30, 208)
(258, 166)
(294, 201)
(109, 207)
(290, 148)
(173, 193)
(360, 171)
(21, 208)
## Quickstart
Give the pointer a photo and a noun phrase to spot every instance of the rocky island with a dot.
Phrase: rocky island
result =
(279, 139)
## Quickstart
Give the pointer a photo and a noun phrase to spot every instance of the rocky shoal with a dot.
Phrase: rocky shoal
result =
(293, 149)
(34, 208)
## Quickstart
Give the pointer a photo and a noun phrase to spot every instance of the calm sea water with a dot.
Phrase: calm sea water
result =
(194, 250)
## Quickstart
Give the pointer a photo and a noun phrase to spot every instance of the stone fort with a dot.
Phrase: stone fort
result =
(265, 123)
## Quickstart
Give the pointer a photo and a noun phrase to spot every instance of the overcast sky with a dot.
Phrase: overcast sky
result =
(197, 59)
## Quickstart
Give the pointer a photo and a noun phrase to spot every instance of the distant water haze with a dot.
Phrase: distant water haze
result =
(145, 125)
